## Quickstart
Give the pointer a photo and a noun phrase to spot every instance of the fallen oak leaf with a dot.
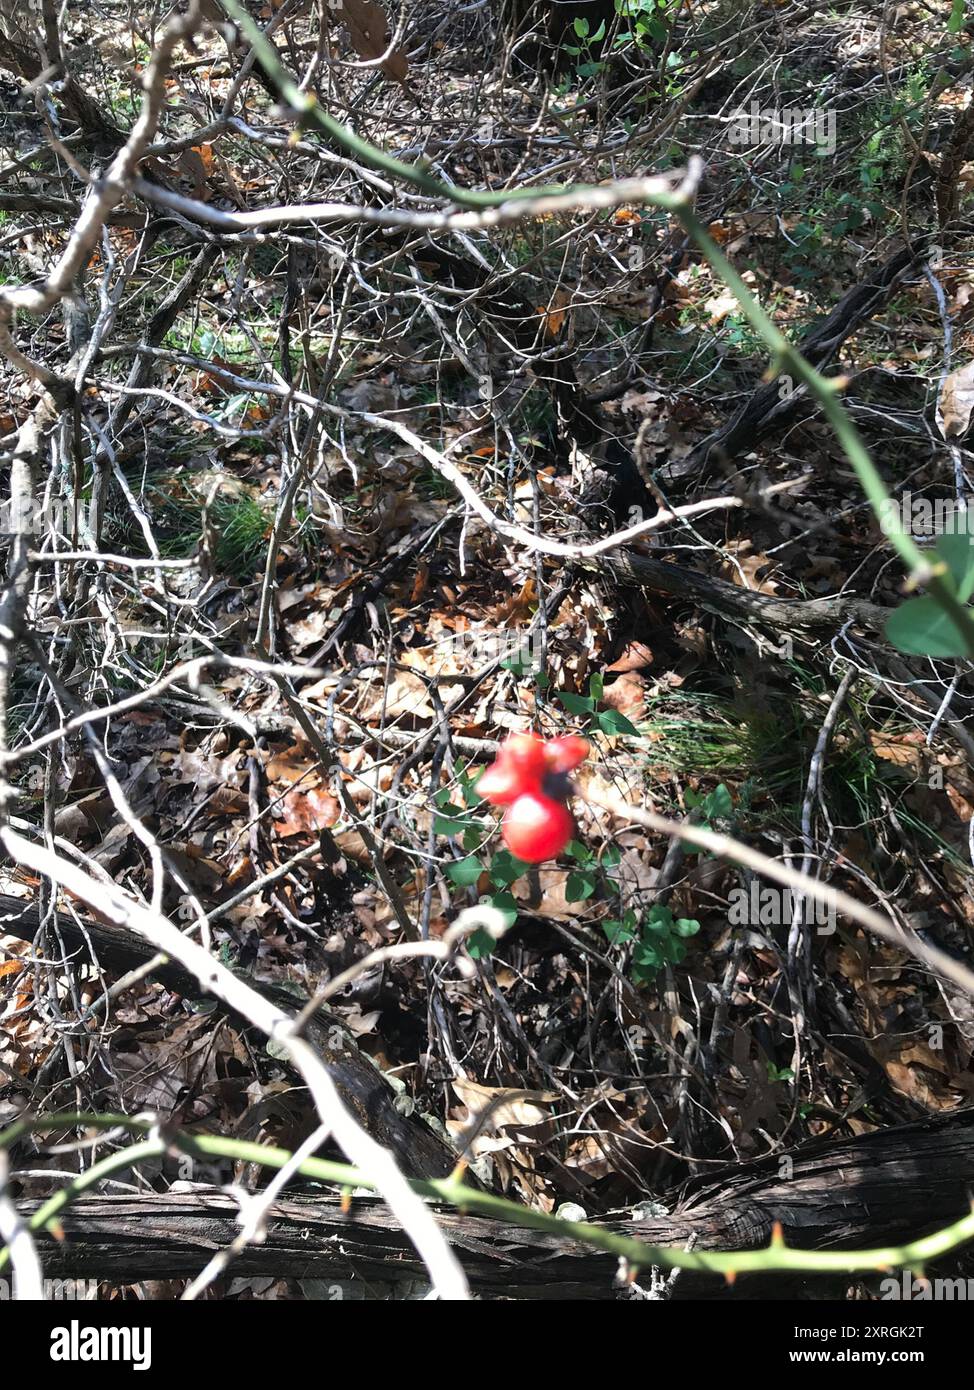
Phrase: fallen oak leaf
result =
(368, 30)
(957, 401)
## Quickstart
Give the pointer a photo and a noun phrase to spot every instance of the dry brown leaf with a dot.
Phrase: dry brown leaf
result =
(627, 694)
(963, 808)
(957, 401)
(206, 157)
(369, 32)
(555, 313)
(720, 306)
(636, 657)
(192, 167)
(912, 1082)
(902, 749)
(306, 812)
(507, 1106)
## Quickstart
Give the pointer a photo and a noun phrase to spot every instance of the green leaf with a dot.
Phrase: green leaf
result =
(472, 839)
(720, 802)
(611, 856)
(505, 904)
(956, 549)
(576, 704)
(576, 850)
(659, 919)
(686, 926)
(480, 944)
(581, 28)
(504, 869)
(465, 871)
(610, 721)
(647, 953)
(520, 664)
(617, 933)
(956, 21)
(471, 797)
(599, 33)
(595, 686)
(581, 885)
(920, 627)
(644, 974)
(450, 825)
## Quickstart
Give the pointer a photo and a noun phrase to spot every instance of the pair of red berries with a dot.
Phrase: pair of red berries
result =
(530, 779)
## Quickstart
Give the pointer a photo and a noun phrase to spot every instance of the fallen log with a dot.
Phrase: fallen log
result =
(734, 602)
(872, 1190)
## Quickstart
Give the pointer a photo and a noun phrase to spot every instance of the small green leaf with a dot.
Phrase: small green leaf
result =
(611, 721)
(617, 933)
(720, 802)
(686, 926)
(464, 872)
(920, 627)
(595, 686)
(480, 944)
(450, 825)
(521, 664)
(659, 920)
(504, 869)
(576, 704)
(581, 885)
(576, 850)
(472, 839)
(505, 904)
(956, 549)
(611, 856)
(471, 797)
(645, 953)
(581, 28)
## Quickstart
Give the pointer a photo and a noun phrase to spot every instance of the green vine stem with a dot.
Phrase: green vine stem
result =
(784, 354)
(786, 357)
(311, 113)
(777, 1256)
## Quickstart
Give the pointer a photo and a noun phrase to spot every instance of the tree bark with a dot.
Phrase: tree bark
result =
(869, 1191)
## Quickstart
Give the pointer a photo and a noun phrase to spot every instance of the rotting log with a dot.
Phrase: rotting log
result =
(876, 1189)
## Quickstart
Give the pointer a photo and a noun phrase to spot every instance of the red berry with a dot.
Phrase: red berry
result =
(536, 828)
(520, 764)
(527, 752)
(501, 783)
(527, 762)
(565, 753)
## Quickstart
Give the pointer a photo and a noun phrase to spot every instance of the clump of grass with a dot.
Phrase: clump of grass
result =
(174, 502)
(242, 525)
